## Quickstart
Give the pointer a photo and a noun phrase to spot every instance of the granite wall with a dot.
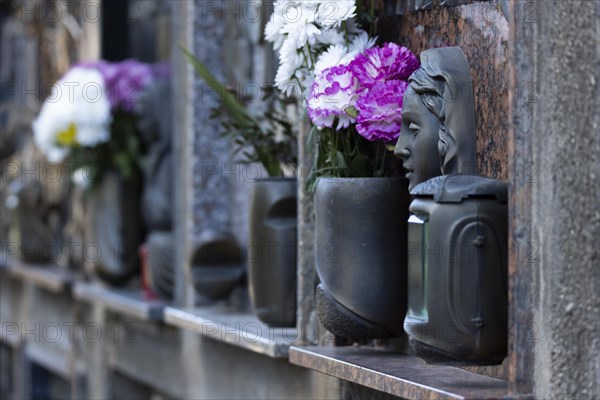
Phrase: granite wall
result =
(481, 31)
(555, 212)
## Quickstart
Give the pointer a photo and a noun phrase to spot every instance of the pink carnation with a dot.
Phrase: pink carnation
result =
(379, 64)
(371, 86)
(380, 111)
(334, 90)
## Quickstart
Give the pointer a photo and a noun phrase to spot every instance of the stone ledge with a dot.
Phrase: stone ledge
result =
(400, 375)
(128, 302)
(234, 327)
(51, 277)
(55, 360)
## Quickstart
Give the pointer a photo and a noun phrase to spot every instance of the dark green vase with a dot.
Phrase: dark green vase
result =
(114, 228)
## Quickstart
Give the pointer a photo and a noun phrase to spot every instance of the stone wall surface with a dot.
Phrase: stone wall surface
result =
(211, 153)
(556, 214)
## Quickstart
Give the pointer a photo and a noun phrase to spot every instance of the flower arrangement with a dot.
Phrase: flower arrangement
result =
(353, 89)
(89, 118)
(311, 36)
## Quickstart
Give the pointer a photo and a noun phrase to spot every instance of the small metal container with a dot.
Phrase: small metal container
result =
(457, 270)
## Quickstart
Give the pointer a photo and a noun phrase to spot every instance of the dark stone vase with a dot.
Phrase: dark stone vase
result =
(114, 229)
(272, 250)
(361, 255)
(217, 266)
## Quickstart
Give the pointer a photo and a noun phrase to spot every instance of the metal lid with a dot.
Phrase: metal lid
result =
(455, 188)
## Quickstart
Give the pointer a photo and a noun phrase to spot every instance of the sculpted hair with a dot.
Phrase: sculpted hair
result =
(431, 92)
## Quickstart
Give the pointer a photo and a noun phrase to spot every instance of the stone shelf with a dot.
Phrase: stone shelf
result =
(56, 360)
(235, 328)
(405, 376)
(128, 302)
(49, 276)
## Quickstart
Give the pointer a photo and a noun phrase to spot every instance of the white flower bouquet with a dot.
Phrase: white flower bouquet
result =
(89, 119)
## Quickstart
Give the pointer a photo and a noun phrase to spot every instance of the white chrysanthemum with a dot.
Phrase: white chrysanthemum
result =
(289, 54)
(299, 23)
(361, 42)
(331, 36)
(330, 58)
(77, 113)
(50, 120)
(305, 77)
(342, 55)
(334, 12)
(352, 27)
(302, 33)
(289, 61)
(310, 39)
(283, 77)
(273, 30)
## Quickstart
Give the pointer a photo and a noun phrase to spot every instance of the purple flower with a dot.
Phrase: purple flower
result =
(124, 80)
(384, 63)
(333, 92)
(380, 111)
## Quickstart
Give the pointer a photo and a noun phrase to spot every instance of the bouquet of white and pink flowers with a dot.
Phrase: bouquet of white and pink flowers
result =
(311, 36)
(89, 118)
(353, 91)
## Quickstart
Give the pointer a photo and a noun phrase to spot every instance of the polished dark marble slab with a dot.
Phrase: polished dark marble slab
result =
(401, 375)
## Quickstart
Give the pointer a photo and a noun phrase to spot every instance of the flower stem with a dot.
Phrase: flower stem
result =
(347, 42)
(382, 168)
(377, 159)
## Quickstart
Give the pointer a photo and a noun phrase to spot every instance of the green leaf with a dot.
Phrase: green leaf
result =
(234, 108)
(269, 134)
(351, 111)
(390, 146)
(311, 183)
(311, 136)
(340, 160)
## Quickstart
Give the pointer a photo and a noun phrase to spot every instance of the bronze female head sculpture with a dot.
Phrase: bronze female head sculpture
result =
(438, 118)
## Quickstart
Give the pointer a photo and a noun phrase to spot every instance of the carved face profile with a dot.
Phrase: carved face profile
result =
(438, 118)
